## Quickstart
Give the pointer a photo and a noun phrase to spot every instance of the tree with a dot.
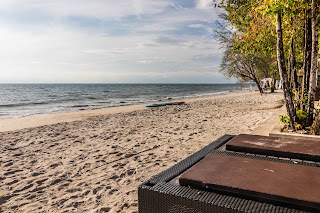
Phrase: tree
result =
(307, 55)
(288, 31)
(314, 63)
(240, 66)
(292, 68)
(237, 62)
(283, 72)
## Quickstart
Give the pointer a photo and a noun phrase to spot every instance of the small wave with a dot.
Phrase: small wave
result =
(22, 104)
(39, 103)
(10, 105)
(80, 106)
(4, 114)
(68, 98)
(92, 98)
(103, 102)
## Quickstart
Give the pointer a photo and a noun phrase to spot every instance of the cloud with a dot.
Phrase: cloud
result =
(196, 26)
(169, 40)
(177, 6)
(101, 9)
(62, 50)
(204, 4)
(144, 62)
(106, 41)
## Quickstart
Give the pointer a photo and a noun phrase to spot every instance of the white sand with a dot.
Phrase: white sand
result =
(94, 161)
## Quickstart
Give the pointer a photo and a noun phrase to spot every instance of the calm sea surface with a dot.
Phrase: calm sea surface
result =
(19, 100)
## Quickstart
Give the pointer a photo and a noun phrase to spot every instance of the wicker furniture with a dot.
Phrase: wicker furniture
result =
(162, 194)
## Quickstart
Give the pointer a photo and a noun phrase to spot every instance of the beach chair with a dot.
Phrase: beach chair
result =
(176, 191)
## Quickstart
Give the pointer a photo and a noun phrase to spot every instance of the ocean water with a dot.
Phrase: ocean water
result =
(19, 100)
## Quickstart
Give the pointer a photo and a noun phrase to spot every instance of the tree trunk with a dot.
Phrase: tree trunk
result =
(255, 80)
(289, 69)
(273, 86)
(306, 57)
(283, 72)
(253, 76)
(314, 63)
(315, 128)
(293, 69)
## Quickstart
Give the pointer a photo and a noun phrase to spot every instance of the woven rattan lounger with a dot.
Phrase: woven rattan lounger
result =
(163, 194)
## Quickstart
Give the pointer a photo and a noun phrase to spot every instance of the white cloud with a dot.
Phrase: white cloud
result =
(60, 53)
(156, 27)
(204, 4)
(144, 62)
(174, 20)
(177, 6)
(196, 26)
(156, 47)
(93, 8)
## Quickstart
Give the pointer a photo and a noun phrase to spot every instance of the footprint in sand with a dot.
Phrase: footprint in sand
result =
(23, 189)
(12, 172)
(12, 182)
(111, 192)
(40, 182)
(105, 209)
(8, 164)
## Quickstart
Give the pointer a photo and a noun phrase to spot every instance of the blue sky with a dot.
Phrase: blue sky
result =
(108, 41)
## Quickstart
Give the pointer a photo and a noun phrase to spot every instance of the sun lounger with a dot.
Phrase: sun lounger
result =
(163, 193)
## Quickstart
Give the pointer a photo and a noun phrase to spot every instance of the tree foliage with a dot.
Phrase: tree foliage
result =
(271, 38)
(239, 60)
(236, 62)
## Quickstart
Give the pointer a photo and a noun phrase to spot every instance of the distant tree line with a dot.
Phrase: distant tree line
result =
(274, 39)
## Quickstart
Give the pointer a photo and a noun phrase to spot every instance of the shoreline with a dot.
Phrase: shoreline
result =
(13, 124)
(30, 100)
(95, 162)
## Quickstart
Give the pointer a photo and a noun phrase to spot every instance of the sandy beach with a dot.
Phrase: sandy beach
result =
(94, 161)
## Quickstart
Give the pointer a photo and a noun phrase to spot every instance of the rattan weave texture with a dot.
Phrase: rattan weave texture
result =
(158, 195)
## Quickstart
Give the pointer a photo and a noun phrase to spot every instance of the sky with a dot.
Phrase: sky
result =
(109, 41)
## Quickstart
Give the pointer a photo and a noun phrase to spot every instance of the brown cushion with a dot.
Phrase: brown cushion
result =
(289, 184)
(274, 146)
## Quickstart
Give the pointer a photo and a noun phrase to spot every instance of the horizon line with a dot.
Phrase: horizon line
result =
(120, 83)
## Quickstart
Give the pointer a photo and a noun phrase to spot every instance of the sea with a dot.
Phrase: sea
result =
(20, 100)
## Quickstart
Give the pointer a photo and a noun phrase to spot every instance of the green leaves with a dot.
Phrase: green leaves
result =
(285, 120)
(301, 115)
